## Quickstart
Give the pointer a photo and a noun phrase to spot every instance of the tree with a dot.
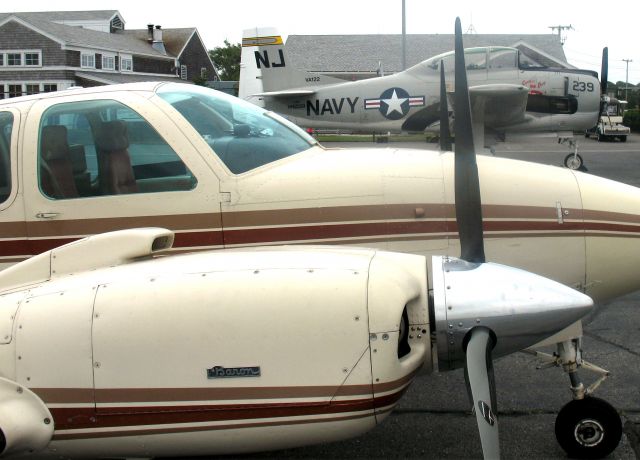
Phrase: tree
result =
(226, 59)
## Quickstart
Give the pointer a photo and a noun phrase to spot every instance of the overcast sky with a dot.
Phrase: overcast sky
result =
(615, 24)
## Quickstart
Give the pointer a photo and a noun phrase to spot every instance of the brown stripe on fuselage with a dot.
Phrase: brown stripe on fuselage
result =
(194, 429)
(609, 216)
(13, 229)
(389, 223)
(64, 227)
(113, 417)
(332, 214)
(142, 395)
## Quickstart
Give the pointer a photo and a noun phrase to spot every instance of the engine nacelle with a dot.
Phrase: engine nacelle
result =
(26, 425)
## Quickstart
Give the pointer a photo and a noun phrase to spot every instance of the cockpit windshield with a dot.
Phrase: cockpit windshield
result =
(479, 58)
(241, 134)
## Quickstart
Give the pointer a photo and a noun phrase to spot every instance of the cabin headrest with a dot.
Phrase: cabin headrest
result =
(53, 143)
(112, 136)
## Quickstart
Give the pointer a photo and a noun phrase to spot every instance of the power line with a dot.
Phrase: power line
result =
(560, 29)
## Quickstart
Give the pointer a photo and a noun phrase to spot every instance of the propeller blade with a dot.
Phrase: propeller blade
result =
(604, 71)
(445, 135)
(479, 371)
(467, 185)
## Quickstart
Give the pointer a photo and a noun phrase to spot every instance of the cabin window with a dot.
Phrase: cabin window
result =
(241, 134)
(6, 125)
(503, 58)
(98, 148)
(475, 58)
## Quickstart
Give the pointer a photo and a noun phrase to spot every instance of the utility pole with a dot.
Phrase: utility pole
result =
(626, 83)
(560, 29)
(404, 37)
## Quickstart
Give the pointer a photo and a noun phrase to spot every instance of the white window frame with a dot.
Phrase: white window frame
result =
(126, 58)
(183, 72)
(10, 53)
(106, 58)
(4, 86)
(37, 53)
(23, 58)
(89, 56)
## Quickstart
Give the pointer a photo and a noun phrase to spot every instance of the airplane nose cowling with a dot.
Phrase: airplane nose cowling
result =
(611, 219)
(518, 307)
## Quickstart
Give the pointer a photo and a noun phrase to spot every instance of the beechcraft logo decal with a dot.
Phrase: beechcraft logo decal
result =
(394, 103)
(487, 413)
(220, 372)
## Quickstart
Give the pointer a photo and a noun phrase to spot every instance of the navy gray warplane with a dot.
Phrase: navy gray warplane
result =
(510, 94)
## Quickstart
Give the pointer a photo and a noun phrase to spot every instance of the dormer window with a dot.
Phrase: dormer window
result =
(88, 61)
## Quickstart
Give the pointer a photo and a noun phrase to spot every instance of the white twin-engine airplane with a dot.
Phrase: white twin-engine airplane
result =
(510, 94)
(121, 345)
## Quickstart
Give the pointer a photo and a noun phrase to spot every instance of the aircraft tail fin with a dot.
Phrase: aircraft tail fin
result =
(264, 66)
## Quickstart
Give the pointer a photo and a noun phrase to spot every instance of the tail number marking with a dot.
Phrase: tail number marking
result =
(262, 59)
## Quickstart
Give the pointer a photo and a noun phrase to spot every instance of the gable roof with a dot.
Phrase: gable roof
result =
(58, 16)
(174, 39)
(128, 41)
(362, 53)
(85, 38)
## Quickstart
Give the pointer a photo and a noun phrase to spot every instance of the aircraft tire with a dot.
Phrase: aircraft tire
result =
(588, 428)
(572, 161)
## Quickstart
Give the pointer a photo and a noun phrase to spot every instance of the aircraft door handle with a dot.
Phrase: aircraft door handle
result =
(47, 215)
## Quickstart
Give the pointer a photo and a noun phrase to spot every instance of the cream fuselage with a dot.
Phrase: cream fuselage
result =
(572, 227)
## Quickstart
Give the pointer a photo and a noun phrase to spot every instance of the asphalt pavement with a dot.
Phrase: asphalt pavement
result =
(433, 419)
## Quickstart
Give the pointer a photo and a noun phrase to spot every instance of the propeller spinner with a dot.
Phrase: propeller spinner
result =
(484, 310)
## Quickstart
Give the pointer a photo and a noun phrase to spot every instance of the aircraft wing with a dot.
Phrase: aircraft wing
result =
(288, 93)
(498, 105)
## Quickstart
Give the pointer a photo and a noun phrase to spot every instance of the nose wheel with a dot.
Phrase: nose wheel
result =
(588, 428)
(573, 160)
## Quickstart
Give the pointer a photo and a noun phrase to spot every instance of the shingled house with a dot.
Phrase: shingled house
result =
(55, 50)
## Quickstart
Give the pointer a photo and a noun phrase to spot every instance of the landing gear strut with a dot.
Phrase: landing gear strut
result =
(586, 427)
(573, 160)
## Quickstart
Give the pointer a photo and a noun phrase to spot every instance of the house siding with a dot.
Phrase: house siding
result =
(72, 58)
(148, 65)
(41, 75)
(15, 36)
(195, 57)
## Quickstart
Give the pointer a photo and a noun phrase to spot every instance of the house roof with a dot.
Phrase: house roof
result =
(363, 53)
(174, 39)
(115, 78)
(87, 38)
(129, 41)
(96, 15)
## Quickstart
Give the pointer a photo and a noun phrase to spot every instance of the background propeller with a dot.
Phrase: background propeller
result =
(604, 71)
(445, 135)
